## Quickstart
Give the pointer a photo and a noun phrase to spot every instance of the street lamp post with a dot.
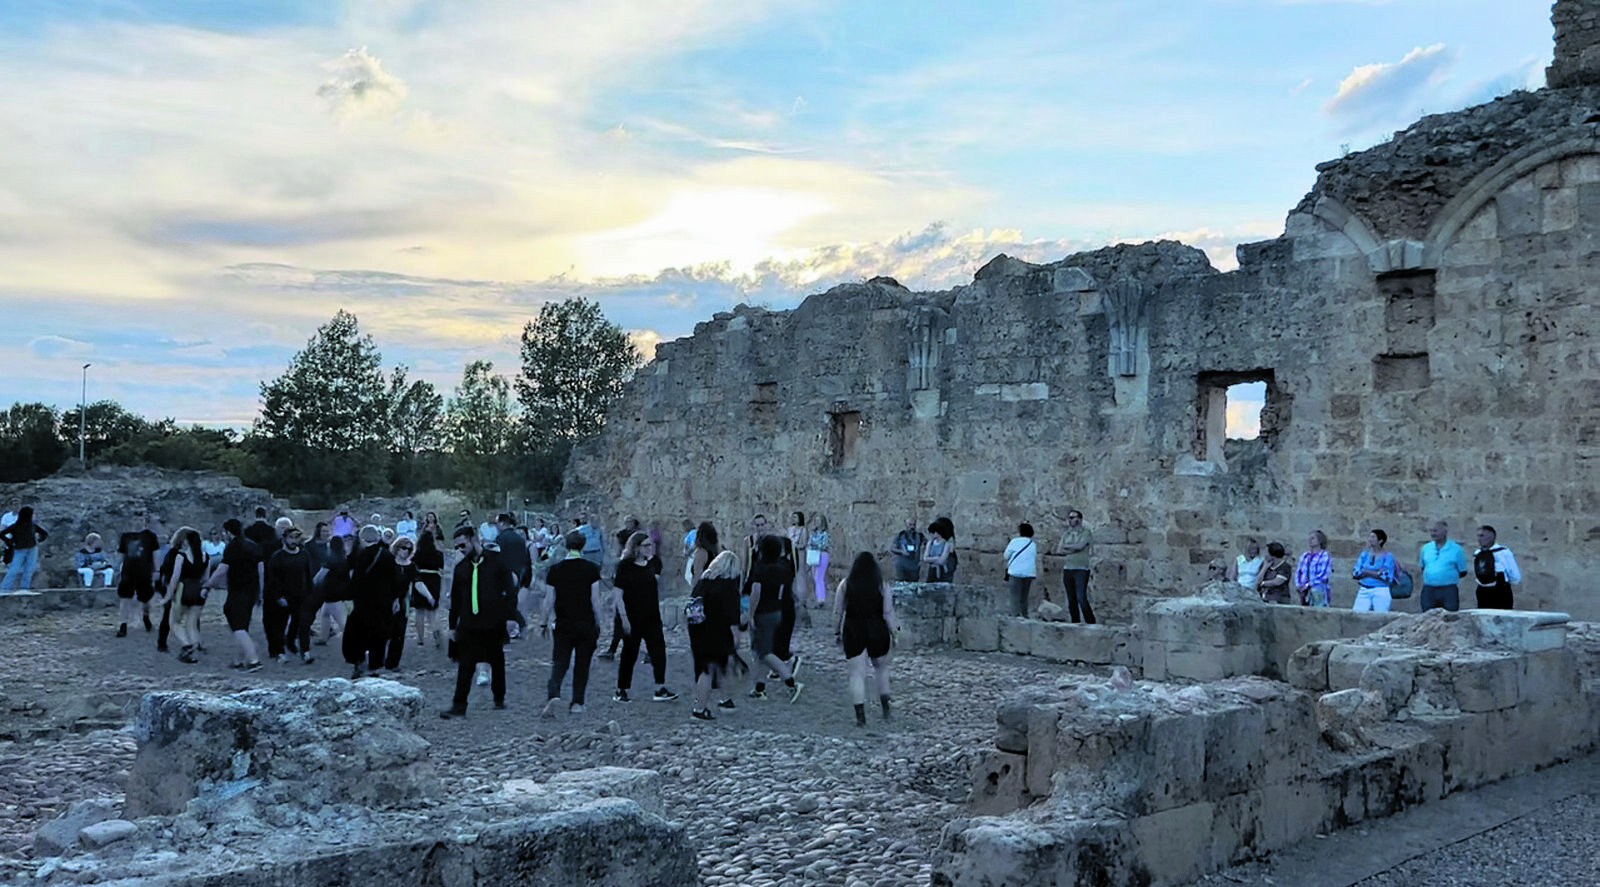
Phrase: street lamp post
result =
(83, 413)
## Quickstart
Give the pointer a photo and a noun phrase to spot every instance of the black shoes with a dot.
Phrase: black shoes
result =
(460, 711)
(122, 630)
(620, 696)
(702, 714)
(148, 625)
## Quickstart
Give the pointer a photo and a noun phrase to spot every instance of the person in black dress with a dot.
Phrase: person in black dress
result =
(865, 628)
(430, 570)
(374, 599)
(712, 639)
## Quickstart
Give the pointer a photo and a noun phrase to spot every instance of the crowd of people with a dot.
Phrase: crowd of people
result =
(373, 585)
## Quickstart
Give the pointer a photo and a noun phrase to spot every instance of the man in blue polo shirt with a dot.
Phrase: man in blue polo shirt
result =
(1444, 564)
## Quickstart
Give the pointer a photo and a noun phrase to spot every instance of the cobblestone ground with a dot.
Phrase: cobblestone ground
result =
(772, 793)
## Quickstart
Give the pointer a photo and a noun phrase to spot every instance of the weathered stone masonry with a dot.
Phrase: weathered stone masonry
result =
(1425, 328)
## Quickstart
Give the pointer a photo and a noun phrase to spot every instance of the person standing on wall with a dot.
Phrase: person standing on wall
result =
(1374, 572)
(1444, 565)
(907, 551)
(481, 590)
(1076, 548)
(1313, 575)
(1021, 567)
(22, 540)
(1495, 569)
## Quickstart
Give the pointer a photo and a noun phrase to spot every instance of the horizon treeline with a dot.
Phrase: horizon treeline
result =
(335, 425)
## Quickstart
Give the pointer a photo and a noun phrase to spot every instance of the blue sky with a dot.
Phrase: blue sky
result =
(190, 188)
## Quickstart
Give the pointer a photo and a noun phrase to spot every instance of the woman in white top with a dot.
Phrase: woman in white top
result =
(1247, 567)
(1021, 560)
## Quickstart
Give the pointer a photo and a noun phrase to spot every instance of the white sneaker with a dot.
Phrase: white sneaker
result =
(482, 679)
(576, 708)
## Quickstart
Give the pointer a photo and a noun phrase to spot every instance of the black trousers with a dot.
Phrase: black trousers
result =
(785, 636)
(648, 633)
(366, 636)
(1495, 597)
(616, 634)
(275, 621)
(1076, 583)
(304, 616)
(166, 626)
(576, 647)
(394, 641)
(473, 647)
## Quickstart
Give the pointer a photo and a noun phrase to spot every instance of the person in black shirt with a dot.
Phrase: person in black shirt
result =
(481, 590)
(513, 548)
(637, 580)
(865, 628)
(242, 571)
(262, 534)
(374, 600)
(575, 602)
(711, 640)
(332, 584)
(408, 586)
(430, 570)
(184, 572)
(136, 585)
(21, 541)
(771, 583)
(288, 583)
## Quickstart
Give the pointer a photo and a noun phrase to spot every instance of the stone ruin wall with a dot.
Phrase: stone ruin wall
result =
(1425, 326)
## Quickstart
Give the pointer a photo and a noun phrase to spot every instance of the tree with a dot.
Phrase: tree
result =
(480, 430)
(414, 414)
(324, 424)
(29, 447)
(574, 364)
(106, 425)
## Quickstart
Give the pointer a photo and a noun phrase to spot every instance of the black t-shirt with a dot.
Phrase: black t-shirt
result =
(374, 578)
(514, 552)
(138, 551)
(639, 593)
(721, 601)
(777, 585)
(241, 557)
(572, 579)
(863, 602)
(288, 574)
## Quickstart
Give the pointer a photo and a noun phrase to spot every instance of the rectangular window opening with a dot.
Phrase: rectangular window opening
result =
(1237, 413)
(844, 430)
(1243, 406)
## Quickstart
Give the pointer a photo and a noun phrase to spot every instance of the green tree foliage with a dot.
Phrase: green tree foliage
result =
(574, 364)
(415, 411)
(195, 448)
(480, 431)
(324, 426)
(106, 425)
(29, 444)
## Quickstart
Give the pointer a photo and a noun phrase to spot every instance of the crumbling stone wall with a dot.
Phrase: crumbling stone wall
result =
(1424, 327)
(1577, 58)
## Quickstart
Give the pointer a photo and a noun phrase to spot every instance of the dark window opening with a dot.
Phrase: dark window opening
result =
(764, 403)
(844, 430)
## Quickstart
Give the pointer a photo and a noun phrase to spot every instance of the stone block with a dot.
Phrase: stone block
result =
(110, 831)
(1153, 660)
(1233, 750)
(1433, 689)
(64, 832)
(1013, 853)
(980, 634)
(1043, 747)
(1069, 642)
(999, 784)
(1176, 745)
(1308, 667)
(1347, 716)
(1174, 845)
(1550, 675)
(1347, 662)
(1235, 829)
(1193, 663)
(1419, 774)
(1293, 811)
(1013, 714)
(1014, 635)
(1391, 677)
(643, 787)
(1484, 683)
(1525, 631)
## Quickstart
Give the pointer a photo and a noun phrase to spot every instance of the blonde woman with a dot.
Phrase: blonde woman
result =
(711, 640)
(817, 546)
(185, 592)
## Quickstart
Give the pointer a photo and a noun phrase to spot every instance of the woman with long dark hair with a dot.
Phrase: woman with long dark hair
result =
(865, 627)
(637, 582)
(711, 639)
(430, 569)
(22, 540)
(184, 591)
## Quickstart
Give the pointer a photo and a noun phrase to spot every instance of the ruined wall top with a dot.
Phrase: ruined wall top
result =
(1400, 186)
(1577, 55)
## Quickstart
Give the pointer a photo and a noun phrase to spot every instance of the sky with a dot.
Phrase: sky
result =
(189, 188)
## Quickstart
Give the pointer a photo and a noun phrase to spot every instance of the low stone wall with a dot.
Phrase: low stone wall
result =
(1195, 639)
(975, 617)
(22, 604)
(1135, 783)
(329, 783)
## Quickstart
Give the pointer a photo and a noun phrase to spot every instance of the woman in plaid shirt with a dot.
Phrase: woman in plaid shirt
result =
(1315, 570)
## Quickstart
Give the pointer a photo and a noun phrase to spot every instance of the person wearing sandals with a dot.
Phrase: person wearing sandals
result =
(864, 627)
(711, 640)
(637, 583)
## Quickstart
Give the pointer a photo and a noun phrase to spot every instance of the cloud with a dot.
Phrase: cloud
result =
(1375, 93)
(360, 85)
(49, 347)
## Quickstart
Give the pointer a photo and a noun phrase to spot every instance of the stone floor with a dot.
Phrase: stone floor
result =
(772, 793)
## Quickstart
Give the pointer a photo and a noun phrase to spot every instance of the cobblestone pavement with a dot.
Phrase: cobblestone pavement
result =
(771, 792)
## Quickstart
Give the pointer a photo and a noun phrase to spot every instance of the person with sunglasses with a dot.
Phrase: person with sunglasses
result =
(482, 594)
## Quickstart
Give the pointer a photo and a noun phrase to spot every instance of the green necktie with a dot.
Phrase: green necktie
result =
(475, 587)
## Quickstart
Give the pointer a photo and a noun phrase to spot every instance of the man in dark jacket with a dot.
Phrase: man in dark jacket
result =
(374, 598)
(482, 596)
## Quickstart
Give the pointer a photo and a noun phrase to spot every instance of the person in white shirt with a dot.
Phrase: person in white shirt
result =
(1495, 569)
(1021, 567)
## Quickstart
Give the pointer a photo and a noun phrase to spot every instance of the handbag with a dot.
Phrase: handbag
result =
(1403, 583)
(813, 557)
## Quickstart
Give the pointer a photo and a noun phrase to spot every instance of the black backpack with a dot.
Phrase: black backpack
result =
(1483, 566)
